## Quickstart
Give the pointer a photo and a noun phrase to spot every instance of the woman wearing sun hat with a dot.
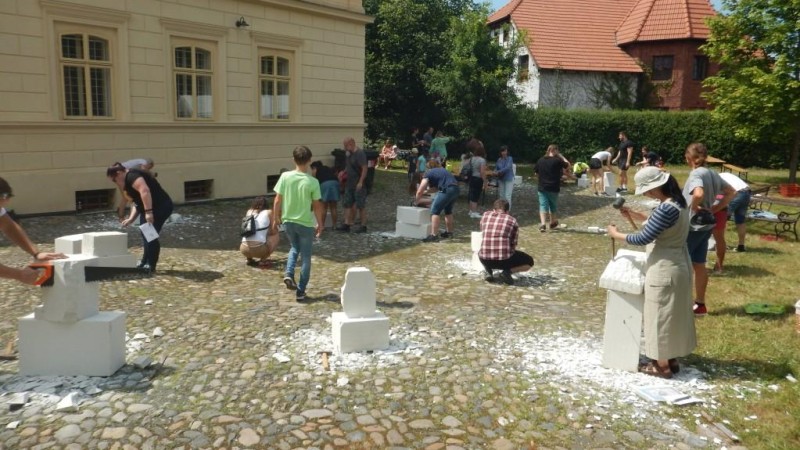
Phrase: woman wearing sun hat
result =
(669, 330)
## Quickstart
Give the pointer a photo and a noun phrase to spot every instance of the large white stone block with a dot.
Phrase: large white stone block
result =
(517, 180)
(622, 337)
(583, 182)
(328, 220)
(69, 245)
(476, 238)
(413, 215)
(358, 292)
(476, 262)
(70, 298)
(105, 243)
(412, 231)
(116, 261)
(359, 334)
(610, 183)
(625, 273)
(94, 346)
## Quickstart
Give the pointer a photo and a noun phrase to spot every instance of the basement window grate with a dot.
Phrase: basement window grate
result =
(197, 190)
(96, 200)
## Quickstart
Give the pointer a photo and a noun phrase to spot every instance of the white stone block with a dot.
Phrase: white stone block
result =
(412, 231)
(476, 262)
(358, 292)
(359, 334)
(116, 261)
(68, 403)
(610, 183)
(70, 298)
(625, 273)
(18, 399)
(583, 182)
(105, 243)
(95, 346)
(413, 215)
(142, 362)
(69, 245)
(328, 220)
(622, 337)
(476, 238)
(517, 180)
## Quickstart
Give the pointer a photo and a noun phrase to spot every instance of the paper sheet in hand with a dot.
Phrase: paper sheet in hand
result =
(149, 232)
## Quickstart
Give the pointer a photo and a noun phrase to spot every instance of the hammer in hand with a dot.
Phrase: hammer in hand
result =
(618, 202)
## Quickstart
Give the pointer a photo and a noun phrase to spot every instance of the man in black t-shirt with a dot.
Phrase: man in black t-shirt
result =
(623, 160)
(549, 168)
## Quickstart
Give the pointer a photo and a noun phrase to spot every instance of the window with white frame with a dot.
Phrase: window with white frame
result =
(275, 84)
(86, 69)
(193, 70)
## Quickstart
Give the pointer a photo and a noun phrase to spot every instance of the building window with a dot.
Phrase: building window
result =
(700, 68)
(662, 67)
(97, 200)
(505, 35)
(197, 190)
(86, 66)
(523, 62)
(194, 77)
(275, 84)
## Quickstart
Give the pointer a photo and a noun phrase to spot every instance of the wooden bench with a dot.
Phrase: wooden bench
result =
(784, 222)
(741, 171)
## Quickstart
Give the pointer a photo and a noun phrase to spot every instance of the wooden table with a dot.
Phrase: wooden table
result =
(712, 160)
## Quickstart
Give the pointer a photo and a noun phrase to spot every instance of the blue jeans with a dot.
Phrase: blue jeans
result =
(505, 189)
(301, 238)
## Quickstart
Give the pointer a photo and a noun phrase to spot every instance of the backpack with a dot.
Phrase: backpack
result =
(466, 171)
(248, 227)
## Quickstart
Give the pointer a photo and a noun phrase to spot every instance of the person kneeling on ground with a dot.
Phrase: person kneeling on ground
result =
(498, 245)
(265, 240)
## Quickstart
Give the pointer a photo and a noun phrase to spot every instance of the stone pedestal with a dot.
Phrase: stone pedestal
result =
(328, 220)
(476, 238)
(610, 183)
(583, 182)
(413, 222)
(94, 346)
(360, 327)
(67, 334)
(517, 180)
(622, 335)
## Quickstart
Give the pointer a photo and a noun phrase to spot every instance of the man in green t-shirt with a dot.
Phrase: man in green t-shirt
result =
(295, 194)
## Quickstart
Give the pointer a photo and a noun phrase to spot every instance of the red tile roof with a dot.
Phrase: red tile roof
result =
(657, 20)
(585, 34)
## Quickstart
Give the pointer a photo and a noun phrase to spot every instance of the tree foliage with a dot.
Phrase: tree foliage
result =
(405, 40)
(757, 91)
(471, 80)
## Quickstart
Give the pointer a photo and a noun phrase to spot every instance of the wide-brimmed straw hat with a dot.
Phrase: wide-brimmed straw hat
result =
(649, 178)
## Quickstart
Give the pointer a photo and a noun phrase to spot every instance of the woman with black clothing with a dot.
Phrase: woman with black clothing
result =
(152, 205)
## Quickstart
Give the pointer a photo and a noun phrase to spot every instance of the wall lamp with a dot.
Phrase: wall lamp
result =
(241, 23)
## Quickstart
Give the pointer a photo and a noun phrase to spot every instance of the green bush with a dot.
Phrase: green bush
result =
(581, 133)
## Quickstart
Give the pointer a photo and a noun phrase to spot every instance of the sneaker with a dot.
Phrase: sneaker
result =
(543, 228)
(290, 284)
(343, 227)
(300, 295)
(505, 277)
(487, 276)
(431, 238)
(624, 188)
(619, 189)
(252, 262)
(553, 225)
(361, 229)
(740, 249)
(597, 194)
(699, 309)
(446, 235)
(605, 194)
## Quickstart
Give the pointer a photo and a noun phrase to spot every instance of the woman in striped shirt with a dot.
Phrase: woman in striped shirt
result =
(668, 318)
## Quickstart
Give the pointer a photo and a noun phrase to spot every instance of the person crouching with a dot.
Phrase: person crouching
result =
(498, 245)
(261, 244)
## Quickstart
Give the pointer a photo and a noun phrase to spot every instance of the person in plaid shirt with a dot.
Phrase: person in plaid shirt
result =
(498, 246)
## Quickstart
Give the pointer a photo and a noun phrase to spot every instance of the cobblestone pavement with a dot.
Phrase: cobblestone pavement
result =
(471, 364)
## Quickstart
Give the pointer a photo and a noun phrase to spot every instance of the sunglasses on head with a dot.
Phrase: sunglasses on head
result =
(6, 195)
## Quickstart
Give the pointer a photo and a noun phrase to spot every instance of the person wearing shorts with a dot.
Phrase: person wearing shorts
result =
(623, 160)
(442, 203)
(329, 186)
(355, 191)
(549, 169)
(599, 163)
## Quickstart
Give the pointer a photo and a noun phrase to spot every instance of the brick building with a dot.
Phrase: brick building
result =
(576, 49)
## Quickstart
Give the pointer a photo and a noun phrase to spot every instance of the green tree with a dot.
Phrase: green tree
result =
(757, 91)
(471, 80)
(404, 41)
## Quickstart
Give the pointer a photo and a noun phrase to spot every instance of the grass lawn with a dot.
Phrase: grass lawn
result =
(737, 349)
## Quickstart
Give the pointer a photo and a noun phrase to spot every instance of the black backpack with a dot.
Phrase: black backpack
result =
(249, 226)
(466, 172)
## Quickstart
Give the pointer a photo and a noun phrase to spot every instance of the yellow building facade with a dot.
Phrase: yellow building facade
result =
(216, 92)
